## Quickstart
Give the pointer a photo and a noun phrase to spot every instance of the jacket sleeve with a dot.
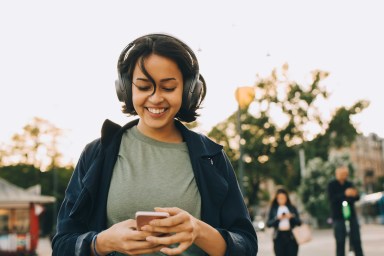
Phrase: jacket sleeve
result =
(237, 230)
(72, 235)
(336, 197)
(272, 221)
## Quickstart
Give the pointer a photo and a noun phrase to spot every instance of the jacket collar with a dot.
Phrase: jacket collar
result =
(112, 131)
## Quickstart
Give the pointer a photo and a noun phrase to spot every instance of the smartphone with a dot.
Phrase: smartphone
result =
(144, 217)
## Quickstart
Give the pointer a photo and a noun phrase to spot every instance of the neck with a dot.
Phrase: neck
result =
(165, 134)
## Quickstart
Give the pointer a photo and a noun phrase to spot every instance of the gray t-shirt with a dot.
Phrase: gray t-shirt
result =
(149, 173)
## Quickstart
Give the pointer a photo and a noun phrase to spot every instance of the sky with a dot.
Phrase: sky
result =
(58, 58)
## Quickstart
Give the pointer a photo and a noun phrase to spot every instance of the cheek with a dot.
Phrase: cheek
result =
(281, 200)
(137, 98)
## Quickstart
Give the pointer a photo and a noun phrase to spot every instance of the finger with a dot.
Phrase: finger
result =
(174, 220)
(130, 223)
(138, 245)
(171, 239)
(182, 227)
(157, 248)
(137, 235)
(177, 250)
(170, 210)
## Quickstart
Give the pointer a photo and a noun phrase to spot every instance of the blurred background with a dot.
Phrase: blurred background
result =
(293, 90)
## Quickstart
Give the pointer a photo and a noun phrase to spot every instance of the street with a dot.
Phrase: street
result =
(322, 244)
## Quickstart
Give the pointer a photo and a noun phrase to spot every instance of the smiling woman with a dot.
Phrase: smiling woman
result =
(157, 102)
(155, 163)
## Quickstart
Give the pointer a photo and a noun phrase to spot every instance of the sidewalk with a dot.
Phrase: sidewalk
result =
(44, 247)
(323, 243)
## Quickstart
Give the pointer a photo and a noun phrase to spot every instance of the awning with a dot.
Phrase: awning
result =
(11, 194)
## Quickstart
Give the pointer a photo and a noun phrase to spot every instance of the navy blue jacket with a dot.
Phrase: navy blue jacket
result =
(83, 211)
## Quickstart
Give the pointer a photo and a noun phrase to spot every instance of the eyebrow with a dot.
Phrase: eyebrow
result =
(162, 80)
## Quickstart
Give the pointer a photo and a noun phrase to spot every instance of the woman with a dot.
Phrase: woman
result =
(155, 163)
(283, 217)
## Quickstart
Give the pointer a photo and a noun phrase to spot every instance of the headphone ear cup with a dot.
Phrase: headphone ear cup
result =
(192, 92)
(120, 90)
(196, 94)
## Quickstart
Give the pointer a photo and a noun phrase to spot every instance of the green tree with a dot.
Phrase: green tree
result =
(340, 132)
(36, 145)
(287, 119)
(271, 135)
(313, 189)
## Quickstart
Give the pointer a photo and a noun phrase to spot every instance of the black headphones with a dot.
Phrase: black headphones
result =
(193, 85)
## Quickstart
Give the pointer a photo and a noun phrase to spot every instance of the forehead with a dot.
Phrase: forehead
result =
(154, 63)
(342, 170)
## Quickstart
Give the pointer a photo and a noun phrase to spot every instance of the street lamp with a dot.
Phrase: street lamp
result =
(244, 96)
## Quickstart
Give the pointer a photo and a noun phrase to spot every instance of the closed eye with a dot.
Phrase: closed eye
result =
(169, 89)
(143, 86)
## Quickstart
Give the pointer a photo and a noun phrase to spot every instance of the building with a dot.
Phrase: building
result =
(19, 222)
(367, 156)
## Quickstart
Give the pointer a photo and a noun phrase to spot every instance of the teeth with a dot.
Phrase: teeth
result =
(156, 110)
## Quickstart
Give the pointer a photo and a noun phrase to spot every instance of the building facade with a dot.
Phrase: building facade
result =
(367, 157)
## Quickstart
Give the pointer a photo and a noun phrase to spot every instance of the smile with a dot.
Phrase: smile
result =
(156, 110)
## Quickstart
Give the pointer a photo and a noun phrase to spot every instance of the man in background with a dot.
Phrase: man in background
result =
(342, 191)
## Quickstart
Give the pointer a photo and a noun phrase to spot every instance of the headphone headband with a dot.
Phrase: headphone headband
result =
(194, 85)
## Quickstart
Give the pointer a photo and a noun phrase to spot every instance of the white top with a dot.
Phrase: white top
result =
(284, 223)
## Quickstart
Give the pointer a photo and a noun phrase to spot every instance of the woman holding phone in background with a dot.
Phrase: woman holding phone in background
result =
(283, 217)
(155, 163)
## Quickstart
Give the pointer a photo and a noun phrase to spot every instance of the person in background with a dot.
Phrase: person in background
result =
(155, 163)
(340, 190)
(283, 217)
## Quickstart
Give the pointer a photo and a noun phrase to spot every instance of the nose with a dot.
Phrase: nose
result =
(156, 97)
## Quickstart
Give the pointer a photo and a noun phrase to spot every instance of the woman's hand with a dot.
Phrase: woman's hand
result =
(123, 237)
(182, 227)
(286, 216)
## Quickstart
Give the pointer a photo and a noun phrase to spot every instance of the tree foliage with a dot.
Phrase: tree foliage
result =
(269, 136)
(313, 189)
(36, 144)
(339, 133)
(283, 118)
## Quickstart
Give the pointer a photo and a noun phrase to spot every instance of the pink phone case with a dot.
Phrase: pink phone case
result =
(143, 217)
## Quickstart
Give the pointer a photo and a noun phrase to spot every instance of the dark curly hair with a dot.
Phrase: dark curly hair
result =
(166, 46)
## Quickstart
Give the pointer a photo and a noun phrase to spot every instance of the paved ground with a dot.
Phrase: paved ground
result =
(323, 243)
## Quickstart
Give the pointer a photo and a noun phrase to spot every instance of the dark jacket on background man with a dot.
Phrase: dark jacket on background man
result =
(336, 194)
(83, 212)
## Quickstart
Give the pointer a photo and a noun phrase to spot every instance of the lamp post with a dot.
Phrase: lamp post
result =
(244, 96)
